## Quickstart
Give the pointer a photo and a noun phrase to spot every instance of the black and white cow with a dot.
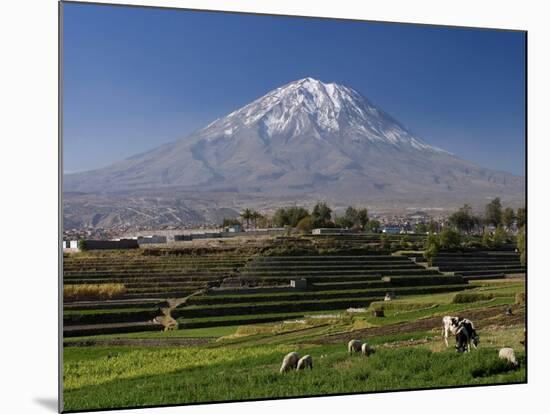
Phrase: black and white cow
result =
(463, 329)
(450, 326)
(466, 336)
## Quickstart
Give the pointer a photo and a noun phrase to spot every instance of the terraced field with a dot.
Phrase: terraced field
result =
(333, 282)
(151, 283)
(479, 264)
(178, 289)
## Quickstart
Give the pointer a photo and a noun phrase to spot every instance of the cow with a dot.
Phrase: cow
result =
(354, 346)
(466, 336)
(450, 326)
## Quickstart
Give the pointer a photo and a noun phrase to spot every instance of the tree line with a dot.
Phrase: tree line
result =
(321, 216)
(464, 220)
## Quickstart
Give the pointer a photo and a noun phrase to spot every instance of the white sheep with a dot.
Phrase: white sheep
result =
(509, 355)
(290, 361)
(354, 346)
(366, 350)
(305, 362)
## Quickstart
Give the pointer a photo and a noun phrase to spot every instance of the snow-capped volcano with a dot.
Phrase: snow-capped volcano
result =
(320, 109)
(306, 139)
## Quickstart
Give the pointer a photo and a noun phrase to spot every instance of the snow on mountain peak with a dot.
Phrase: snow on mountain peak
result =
(309, 107)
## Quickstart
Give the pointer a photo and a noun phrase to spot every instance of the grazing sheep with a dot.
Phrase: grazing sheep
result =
(305, 362)
(509, 355)
(290, 362)
(366, 350)
(354, 346)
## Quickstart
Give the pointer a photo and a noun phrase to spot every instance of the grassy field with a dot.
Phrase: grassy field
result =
(123, 377)
(242, 363)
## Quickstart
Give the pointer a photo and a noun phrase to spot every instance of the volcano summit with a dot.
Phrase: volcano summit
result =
(306, 139)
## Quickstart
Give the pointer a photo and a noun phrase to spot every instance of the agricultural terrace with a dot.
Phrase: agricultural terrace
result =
(146, 326)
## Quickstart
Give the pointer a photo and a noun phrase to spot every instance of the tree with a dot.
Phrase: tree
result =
(255, 216)
(363, 217)
(373, 226)
(508, 217)
(246, 214)
(295, 214)
(351, 216)
(348, 220)
(487, 240)
(521, 217)
(321, 215)
(280, 218)
(463, 220)
(289, 216)
(82, 245)
(522, 246)
(431, 248)
(493, 212)
(449, 239)
(264, 222)
(342, 222)
(499, 237)
(304, 225)
(230, 222)
(421, 228)
(432, 227)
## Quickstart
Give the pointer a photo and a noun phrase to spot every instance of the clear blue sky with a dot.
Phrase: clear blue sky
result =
(135, 78)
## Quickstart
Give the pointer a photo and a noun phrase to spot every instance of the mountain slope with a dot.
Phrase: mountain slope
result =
(306, 137)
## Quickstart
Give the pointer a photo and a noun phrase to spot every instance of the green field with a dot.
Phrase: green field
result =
(228, 345)
(123, 377)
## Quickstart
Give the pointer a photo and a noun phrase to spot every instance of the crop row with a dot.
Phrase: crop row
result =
(491, 272)
(271, 280)
(116, 304)
(329, 258)
(414, 271)
(476, 268)
(104, 329)
(321, 295)
(272, 307)
(95, 316)
(335, 266)
(189, 323)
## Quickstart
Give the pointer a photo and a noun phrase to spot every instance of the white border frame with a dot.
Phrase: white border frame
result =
(29, 176)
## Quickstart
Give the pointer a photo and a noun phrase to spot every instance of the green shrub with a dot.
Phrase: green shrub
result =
(82, 245)
(469, 297)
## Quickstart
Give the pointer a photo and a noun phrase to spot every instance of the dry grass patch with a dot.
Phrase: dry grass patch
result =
(102, 291)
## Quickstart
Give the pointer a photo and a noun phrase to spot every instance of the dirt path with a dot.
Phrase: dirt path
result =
(481, 318)
(141, 342)
(166, 319)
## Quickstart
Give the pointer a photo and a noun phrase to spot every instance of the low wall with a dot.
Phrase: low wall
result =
(252, 291)
(111, 244)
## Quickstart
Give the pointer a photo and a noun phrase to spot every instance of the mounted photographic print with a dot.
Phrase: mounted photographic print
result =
(264, 206)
